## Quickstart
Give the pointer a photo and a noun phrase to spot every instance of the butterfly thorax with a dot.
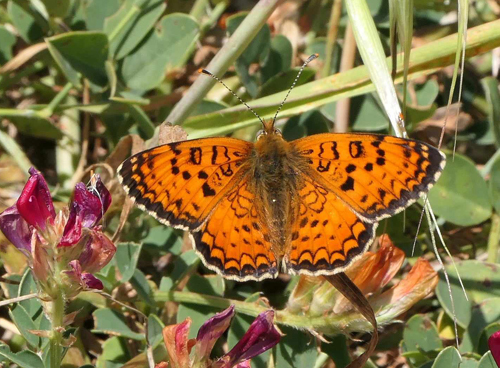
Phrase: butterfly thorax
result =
(274, 180)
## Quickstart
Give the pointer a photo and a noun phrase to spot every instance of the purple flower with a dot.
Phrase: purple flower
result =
(261, 336)
(86, 210)
(71, 242)
(494, 343)
(35, 203)
(16, 229)
(84, 279)
(209, 333)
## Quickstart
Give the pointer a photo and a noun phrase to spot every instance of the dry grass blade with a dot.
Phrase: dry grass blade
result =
(351, 292)
(23, 57)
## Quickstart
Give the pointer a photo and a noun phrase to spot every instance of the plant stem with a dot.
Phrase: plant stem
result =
(233, 48)
(133, 11)
(49, 109)
(332, 323)
(494, 238)
(331, 40)
(56, 317)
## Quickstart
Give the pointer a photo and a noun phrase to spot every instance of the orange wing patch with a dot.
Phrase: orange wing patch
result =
(377, 176)
(233, 242)
(327, 236)
(180, 183)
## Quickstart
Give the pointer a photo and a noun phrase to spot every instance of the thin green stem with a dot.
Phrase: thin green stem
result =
(49, 109)
(494, 238)
(332, 36)
(331, 323)
(56, 317)
(133, 11)
(214, 15)
(198, 9)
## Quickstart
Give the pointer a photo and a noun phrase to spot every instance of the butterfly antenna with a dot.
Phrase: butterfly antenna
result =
(309, 59)
(204, 71)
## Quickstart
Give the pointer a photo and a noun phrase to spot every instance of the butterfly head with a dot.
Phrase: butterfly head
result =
(268, 129)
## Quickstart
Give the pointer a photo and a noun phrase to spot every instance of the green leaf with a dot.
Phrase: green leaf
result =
(210, 285)
(367, 114)
(460, 196)
(114, 353)
(11, 146)
(310, 122)
(421, 339)
(24, 323)
(165, 238)
(155, 329)
(184, 264)
(256, 52)
(482, 346)
(96, 12)
(145, 125)
(24, 359)
(482, 315)
(71, 51)
(279, 59)
(490, 86)
(28, 286)
(140, 16)
(207, 106)
(448, 358)
(35, 126)
(141, 285)
(111, 322)
(26, 20)
(337, 349)
(8, 40)
(126, 257)
(283, 81)
(487, 361)
(295, 349)
(166, 48)
(57, 8)
(481, 280)
(494, 184)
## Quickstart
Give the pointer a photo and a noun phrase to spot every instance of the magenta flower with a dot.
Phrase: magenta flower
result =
(71, 241)
(494, 343)
(35, 203)
(261, 336)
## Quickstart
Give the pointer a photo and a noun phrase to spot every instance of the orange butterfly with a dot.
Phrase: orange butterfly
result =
(311, 205)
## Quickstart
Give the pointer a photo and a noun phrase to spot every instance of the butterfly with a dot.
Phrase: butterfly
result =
(310, 206)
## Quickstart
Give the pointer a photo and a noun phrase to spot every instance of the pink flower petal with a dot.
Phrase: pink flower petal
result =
(210, 332)
(16, 229)
(35, 203)
(261, 336)
(86, 210)
(89, 281)
(98, 251)
(494, 344)
(177, 343)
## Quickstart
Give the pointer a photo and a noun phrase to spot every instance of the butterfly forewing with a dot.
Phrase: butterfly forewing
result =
(181, 183)
(376, 176)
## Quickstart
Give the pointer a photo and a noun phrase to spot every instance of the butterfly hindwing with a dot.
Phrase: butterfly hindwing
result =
(376, 176)
(234, 242)
(180, 183)
(326, 236)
